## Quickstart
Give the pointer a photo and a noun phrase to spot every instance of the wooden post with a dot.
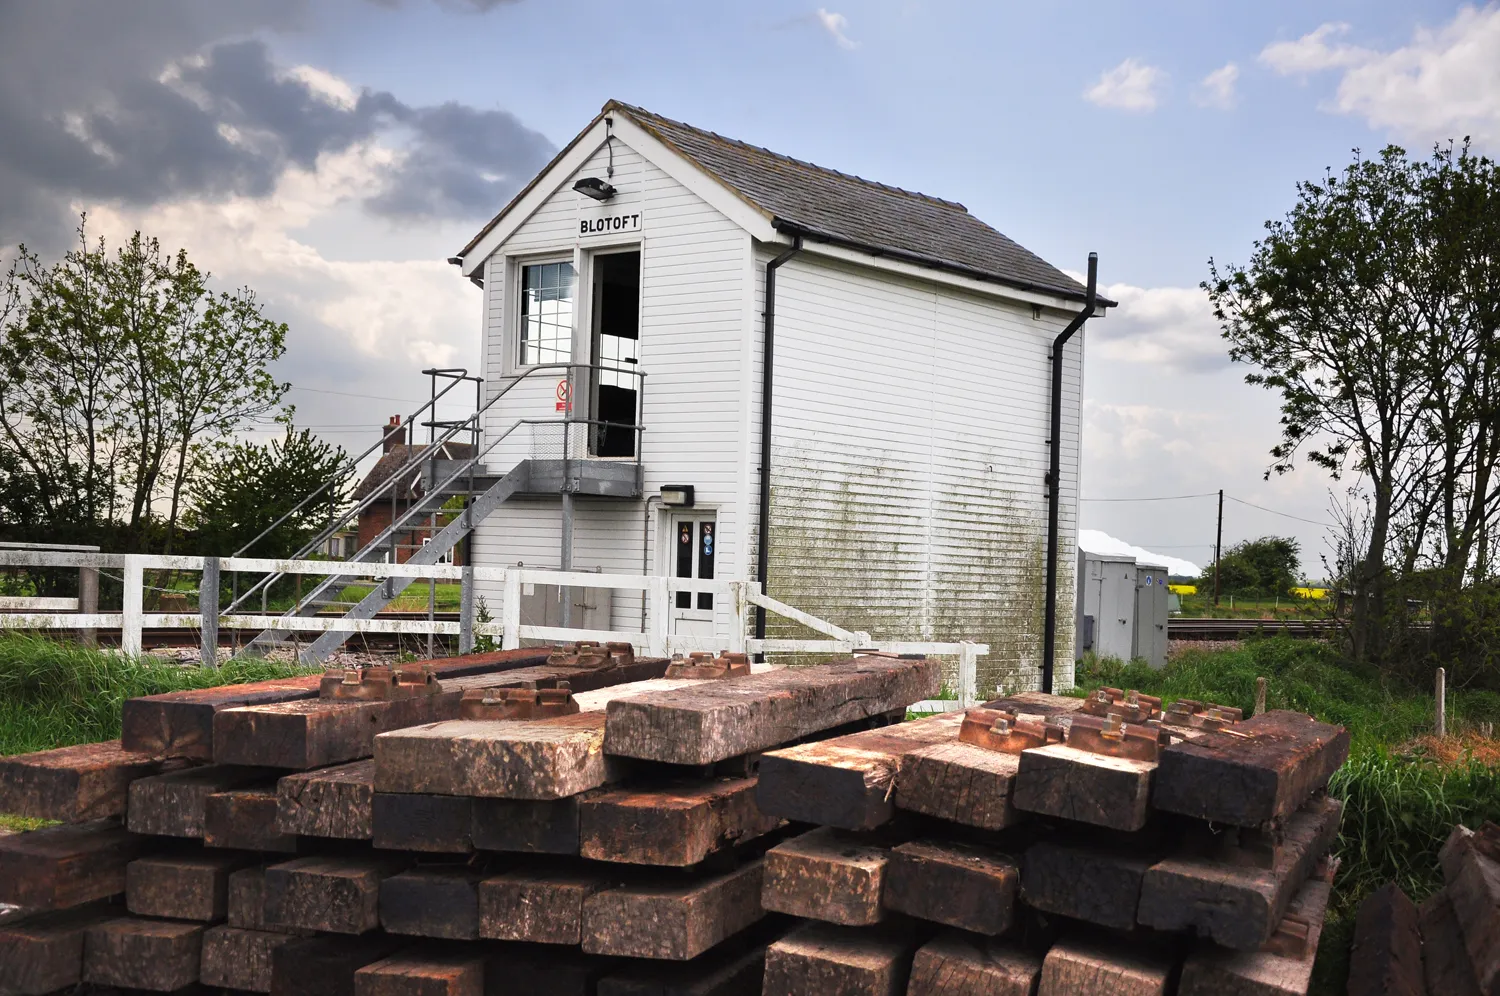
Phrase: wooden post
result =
(510, 611)
(88, 601)
(1442, 703)
(131, 607)
(968, 676)
(1260, 696)
(208, 609)
(659, 616)
(466, 611)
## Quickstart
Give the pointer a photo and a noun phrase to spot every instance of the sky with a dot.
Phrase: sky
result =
(332, 155)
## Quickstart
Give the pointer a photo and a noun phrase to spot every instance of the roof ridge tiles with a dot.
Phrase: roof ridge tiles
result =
(643, 112)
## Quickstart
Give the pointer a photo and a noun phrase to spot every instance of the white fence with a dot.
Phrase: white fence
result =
(656, 640)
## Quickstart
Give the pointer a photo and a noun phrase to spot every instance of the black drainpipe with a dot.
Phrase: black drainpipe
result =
(1054, 470)
(768, 354)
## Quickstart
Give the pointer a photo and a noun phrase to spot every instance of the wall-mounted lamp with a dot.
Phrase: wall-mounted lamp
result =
(592, 186)
(456, 260)
(677, 495)
(1036, 312)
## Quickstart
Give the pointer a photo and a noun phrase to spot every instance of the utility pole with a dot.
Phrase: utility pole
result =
(1218, 542)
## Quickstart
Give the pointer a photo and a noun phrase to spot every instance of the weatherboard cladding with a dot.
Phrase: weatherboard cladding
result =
(694, 279)
(910, 437)
(908, 458)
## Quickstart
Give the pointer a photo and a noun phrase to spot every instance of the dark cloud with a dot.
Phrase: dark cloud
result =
(463, 163)
(151, 101)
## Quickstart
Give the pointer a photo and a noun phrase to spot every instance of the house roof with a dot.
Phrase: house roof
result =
(398, 456)
(825, 205)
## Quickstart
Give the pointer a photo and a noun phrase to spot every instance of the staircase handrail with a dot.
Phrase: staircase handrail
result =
(420, 456)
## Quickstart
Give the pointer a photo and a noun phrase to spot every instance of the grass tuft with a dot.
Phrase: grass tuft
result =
(57, 694)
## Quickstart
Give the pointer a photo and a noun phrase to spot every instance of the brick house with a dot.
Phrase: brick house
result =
(376, 518)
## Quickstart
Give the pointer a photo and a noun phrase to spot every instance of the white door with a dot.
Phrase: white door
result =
(694, 540)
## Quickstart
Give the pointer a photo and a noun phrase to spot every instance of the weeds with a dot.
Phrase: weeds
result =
(55, 694)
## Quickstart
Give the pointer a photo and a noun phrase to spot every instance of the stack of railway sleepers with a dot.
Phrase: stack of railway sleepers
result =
(520, 837)
(1447, 946)
(1055, 845)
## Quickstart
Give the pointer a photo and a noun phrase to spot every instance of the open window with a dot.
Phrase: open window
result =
(616, 300)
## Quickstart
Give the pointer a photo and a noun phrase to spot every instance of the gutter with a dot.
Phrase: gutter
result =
(1054, 470)
(930, 262)
(768, 355)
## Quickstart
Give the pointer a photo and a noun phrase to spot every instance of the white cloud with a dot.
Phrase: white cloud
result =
(1445, 83)
(1312, 52)
(1098, 541)
(836, 25)
(1217, 88)
(1169, 327)
(1130, 86)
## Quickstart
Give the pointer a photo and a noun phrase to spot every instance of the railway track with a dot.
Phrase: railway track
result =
(1237, 629)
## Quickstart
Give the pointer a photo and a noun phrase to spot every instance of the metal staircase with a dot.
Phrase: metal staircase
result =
(430, 478)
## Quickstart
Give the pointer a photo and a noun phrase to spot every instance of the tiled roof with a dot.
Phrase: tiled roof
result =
(826, 205)
(397, 457)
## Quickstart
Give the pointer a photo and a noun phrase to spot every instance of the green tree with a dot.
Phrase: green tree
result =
(118, 371)
(244, 488)
(1266, 567)
(1370, 309)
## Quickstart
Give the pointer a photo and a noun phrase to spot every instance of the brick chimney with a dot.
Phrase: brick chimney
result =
(394, 434)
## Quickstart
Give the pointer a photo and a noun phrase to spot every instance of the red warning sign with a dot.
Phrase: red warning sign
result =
(564, 396)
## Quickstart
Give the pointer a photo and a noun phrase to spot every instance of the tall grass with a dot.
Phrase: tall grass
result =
(55, 694)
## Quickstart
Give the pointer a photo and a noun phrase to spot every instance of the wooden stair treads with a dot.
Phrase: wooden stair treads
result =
(671, 920)
(43, 952)
(1086, 882)
(175, 804)
(437, 824)
(245, 819)
(132, 953)
(541, 904)
(827, 875)
(74, 784)
(846, 781)
(847, 961)
(181, 724)
(69, 865)
(423, 972)
(962, 885)
(1238, 907)
(959, 964)
(334, 802)
(235, 958)
(1386, 957)
(182, 887)
(1087, 967)
(325, 966)
(439, 901)
(1473, 887)
(960, 782)
(1073, 784)
(1445, 960)
(680, 822)
(1213, 971)
(1260, 770)
(727, 718)
(339, 895)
